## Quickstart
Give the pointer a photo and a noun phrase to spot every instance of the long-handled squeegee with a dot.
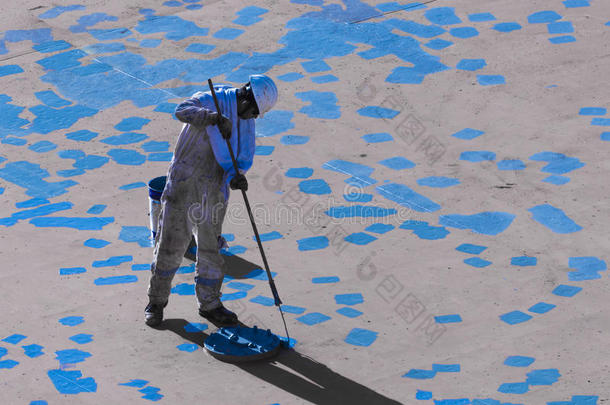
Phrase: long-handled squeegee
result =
(276, 296)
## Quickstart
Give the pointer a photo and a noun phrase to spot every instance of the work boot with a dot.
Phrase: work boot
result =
(154, 314)
(220, 315)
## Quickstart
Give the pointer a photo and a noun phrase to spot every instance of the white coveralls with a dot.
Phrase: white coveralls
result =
(195, 197)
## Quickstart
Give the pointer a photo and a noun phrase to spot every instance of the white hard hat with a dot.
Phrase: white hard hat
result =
(264, 91)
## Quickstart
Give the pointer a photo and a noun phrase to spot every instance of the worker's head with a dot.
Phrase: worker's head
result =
(256, 97)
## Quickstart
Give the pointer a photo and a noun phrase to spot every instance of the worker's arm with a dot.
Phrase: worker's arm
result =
(192, 112)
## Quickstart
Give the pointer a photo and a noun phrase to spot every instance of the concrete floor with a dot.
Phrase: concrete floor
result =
(430, 186)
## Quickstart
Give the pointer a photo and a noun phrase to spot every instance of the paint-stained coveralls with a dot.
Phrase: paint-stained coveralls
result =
(195, 197)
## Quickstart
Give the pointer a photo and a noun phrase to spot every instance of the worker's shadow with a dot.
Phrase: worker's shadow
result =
(321, 385)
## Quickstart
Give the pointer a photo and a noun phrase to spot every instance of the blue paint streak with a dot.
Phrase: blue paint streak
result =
(478, 156)
(131, 186)
(240, 286)
(313, 318)
(269, 236)
(361, 337)
(14, 339)
(438, 44)
(324, 79)
(523, 261)
(52, 46)
(14, 141)
(35, 212)
(315, 66)
(325, 280)
(294, 140)
(82, 135)
(299, 172)
(543, 377)
(155, 146)
(37, 36)
(42, 146)
(96, 209)
(313, 243)
(57, 11)
(349, 312)
(262, 300)
(561, 27)
(150, 43)
(507, 27)
(188, 347)
(183, 289)
(33, 202)
(518, 361)
(90, 20)
(511, 164)
(464, 32)
(442, 16)
(82, 338)
(379, 228)
(33, 351)
(138, 234)
(564, 39)
(377, 137)
(127, 157)
(397, 163)
(360, 238)
(135, 383)
(490, 80)
(470, 248)
(557, 180)
(515, 317)
(323, 104)
(406, 197)
(70, 382)
(51, 99)
(51, 119)
(274, 122)
(481, 17)
(112, 261)
(592, 110)
(349, 299)
(96, 243)
(249, 15)
(419, 374)
(292, 309)
(587, 268)
(364, 211)
(602, 122)
(131, 124)
(30, 176)
(486, 223)
(8, 364)
(447, 319)
(233, 296)
(378, 112)
(576, 3)
(438, 181)
(558, 163)
(541, 308)
(145, 267)
(541, 17)
(228, 33)
(566, 290)
(200, 48)
(71, 356)
(195, 327)
(71, 270)
(314, 186)
(290, 77)
(554, 219)
(425, 231)
(115, 280)
(72, 320)
(124, 139)
(470, 65)
(477, 262)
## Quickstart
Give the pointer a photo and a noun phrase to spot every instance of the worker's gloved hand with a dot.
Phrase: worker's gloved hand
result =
(224, 125)
(239, 182)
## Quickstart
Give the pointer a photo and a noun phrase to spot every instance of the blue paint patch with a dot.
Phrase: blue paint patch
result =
(349, 312)
(379, 228)
(42, 146)
(52, 46)
(72, 320)
(314, 186)
(71, 270)
(233, 296)
(523, 261)
(200, 48)
(587, 268)
(151, 43)
(358, 197)
(541, 308)
(557, 180)
(377, 137)
(438, 181)
(172, 3)
(470, 64)
(323, 104)
(188, 347)
(269, 236)
(543, 17)
(447, 319)
(131, 124)
(299, 172)
(576, 3)
(515, 317)
(50, 119)
(8, 364)
(14, 339)
(442, 16)
(561, 27)
(96, 209)
(410, 27)
(181, 270)
(511, 164)
(446, 368)
(37, 36)
(592, 111)
(33, 351)
(70, 382)
(349, 299)
(112, 261)
(290, 309)
(490, 80)
(563, 290)
(35, 212)
(155, 146)
(3, 352)
(262, 300)
(365, 211)
(131, 186)
(290, 77)
(108, 47)
(315, 66)
(361, 337)
(51, 99)
(82, 135)
(90, 20)
(228, 33)
(30, 176)
(294, 140)
(423, 395)
(135, 383)
(470, 248)
(263, 150)
(33, 202)
(564, 39)
(325, 280)
(313, 243)
(425, 231)
(234, 250)
(558, 163)
(71, 356)
(313, 318)
(195, 327)
(507, 27)
(378, 112)
(514, 388)
(419, 374)
(345, 167)
(518, 361)
(438, 44)
(96, 243)
(274, 122)
(82, 338)
(115, 280)
(240, 286)
(543, 377)
(406, 197)
(486, 223)
(397, 163)
(167, 156)
(464, 32)
(324, 79)
(477, 262)
(478, 156)
(140, 267)
(554, 219)
(481, 17)
(59, 10)
(249, 15)
(124, 139)
(360, 238)
(11, 140)
(603, 122)
(127, 157)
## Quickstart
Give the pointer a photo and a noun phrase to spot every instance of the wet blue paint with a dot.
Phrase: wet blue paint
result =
(603, 122)
(33, 351)
(486, 223)
(240, 286)
(518, 361)
(315, 66)
(511, 164)
(155, 146)
(447, 319)
(131, 186)
(71, 270)
(557, 180)
(14, 338)
(35, 212)
(51, 99)
(313, 318)
(592, 111)
(52, 46)
(96, 243)
(554, 219)
(131, 124)
(274, 122)
(299, 172)
(181, 270)
(11, 140)
(82, 135)
(438, 181)
(90, 20)
(446, 368)
(576, 3)
(30, 176)
(70, 381)
(112, 261)
(324, 79)
(71, 356)
(168, 108)
(364, 211)
(127, 157)
(234, 250)
(325, 280)
(413, 28)
(124, 139)
(200, 48)
(82, 338)
(135, 383)
(477, 262)
(558, 163)
(349, 299)
(290, 77)
(294, 139)
(71, 320)
(406, 197)
(514, 388)
(464, 32)
(419, 374)
(115, 280)
(425, 231)
(96, 209)
(167, 156)
(481, 17)
(323, 104)
(542, 17)
(290, 309)
(470, 65)
(195, 327)
(515, 317)
(564, 39)
(50, 119)
(438, 44)
(358, 197)
(152, 43)
(233, 296)
(59, 10)
(8, 364)
(541, 308)
(265, 237)
(491, 80)
(110, 34)
(587, 268)
(563, 290)
(3, 352)
(249, 15)
(360, 238)
(423, 395)
(543, 377)
(188, 347)
(7, 70)
(507, 27)
(361, 337)
(33, 202)
(140, 267)
(442, 16)
(228, 33)
(378, 112)
(349, 312)
(37, 36)
(470, 248)
(108, 47)
(39, 403)
(172, 3)
(377, 137)
(262, 300)
(42, 146)
(397, 163)
(560, 27)
(350, 168)
(478, 156)
(314, 186)
(523, 261)
(379, 228)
